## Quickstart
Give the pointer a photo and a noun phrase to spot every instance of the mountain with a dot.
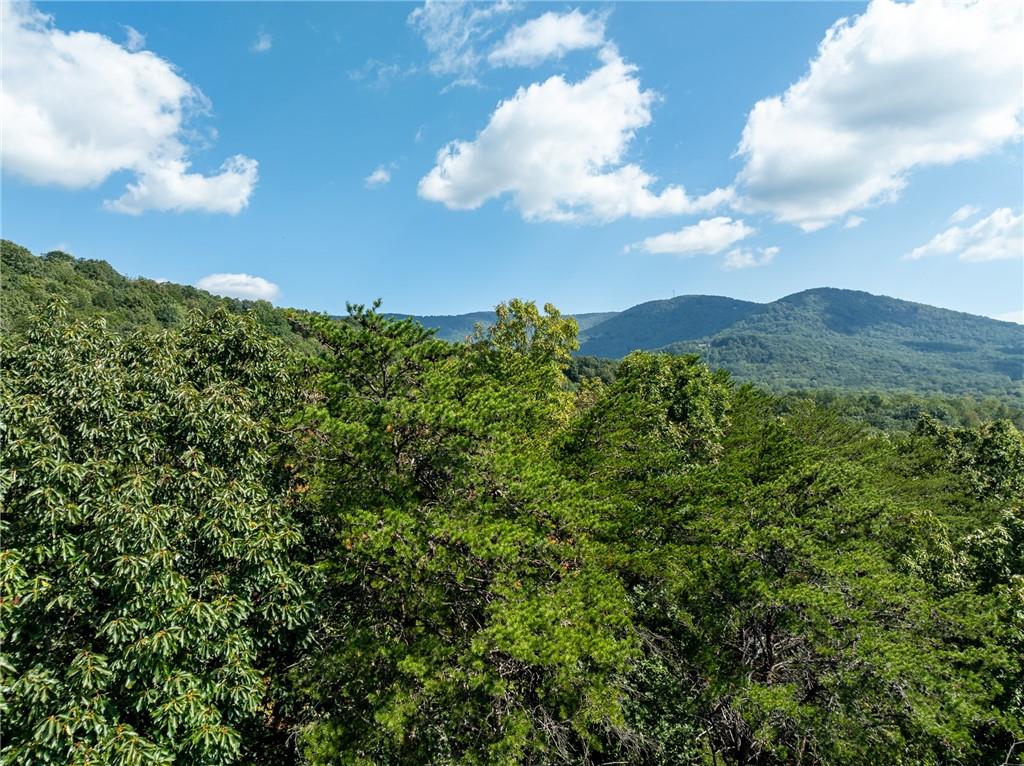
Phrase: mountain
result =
(658, 323)
(829, 338)
(824, 338)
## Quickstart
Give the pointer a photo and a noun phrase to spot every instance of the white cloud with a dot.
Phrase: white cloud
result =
(263, 43)
(168, 186)
(78, 108)
(134, 39)
(901, 86)
(239, 286)
(549, 35)
(709, 236)
(1011, 316)
(378, 177)
(999, 236)
(853, 222)
(746, 258)
(558, 148)
(452, 32)
(963, 213)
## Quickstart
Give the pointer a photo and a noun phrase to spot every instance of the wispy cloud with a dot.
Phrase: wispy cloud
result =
(263, 43)
(963, 213)
(454, 34)
(379, 177)
(379, 75)
(134, 39)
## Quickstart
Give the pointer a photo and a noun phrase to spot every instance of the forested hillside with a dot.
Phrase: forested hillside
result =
(658, 323)
(817, 339)
(822, 339)
(92, 288)
(407, 551)
(842, 338)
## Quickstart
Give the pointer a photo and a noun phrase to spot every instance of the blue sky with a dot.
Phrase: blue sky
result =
(682, 148)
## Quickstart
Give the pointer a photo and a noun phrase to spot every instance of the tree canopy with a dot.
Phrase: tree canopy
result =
(405, 550)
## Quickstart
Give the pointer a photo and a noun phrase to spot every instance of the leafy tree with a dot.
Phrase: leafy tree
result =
(783, 614)
(472, 619)
(150, 592)
(393, 549)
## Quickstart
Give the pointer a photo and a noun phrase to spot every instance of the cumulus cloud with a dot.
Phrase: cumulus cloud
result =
(709, 236)
(134, 39)
(746, 258)
(263, 43)
(550, 35)
(853, 222)
(78, 108)
(999, 236)
(453, 33)
(239, 286)
(168, 186)
(903, 85)
(963, 213)
(558, 149)
(378, 177)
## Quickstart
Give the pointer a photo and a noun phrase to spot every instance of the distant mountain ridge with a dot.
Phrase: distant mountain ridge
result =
(824, 338)
(820, 338)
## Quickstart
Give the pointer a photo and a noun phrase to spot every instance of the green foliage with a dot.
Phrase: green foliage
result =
(818, 340)
(844, 339)
(584, 367)
(148, 574)
(404, 550)
(989, 458)
(92, 289)
(900, 412)
(475, 623)
(655, 324)
(798, 601)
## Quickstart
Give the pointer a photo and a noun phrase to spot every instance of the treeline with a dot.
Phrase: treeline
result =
(405, 551)
(92, 289)
(883, 410)
(951, 365)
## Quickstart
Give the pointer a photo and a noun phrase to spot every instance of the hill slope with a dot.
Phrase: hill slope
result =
(817, 339)
(658, 323)
(93, 288)
(824, 338)
(828, 338)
